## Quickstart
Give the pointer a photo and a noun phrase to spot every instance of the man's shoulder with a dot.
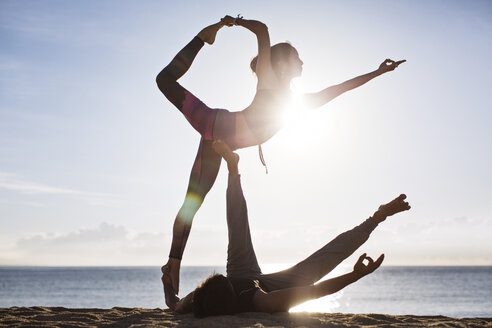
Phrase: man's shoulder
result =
(242, 284)
(245, 289)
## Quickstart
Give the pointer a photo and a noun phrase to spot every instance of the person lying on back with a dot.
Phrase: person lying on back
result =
(247, 289)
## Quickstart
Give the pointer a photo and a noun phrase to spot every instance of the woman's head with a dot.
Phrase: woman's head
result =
(215, 296)
(285, 61)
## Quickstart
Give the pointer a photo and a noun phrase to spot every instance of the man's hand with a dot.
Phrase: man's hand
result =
(364, 269)
(170, 280)
(171, 298)
(170, 272)
(389, 65)
(185, 305)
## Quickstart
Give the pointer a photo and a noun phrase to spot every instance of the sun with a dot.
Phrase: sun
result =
(302, 128)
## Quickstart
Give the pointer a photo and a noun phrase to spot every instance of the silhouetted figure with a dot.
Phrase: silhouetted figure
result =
(247, 289)
(275, 67)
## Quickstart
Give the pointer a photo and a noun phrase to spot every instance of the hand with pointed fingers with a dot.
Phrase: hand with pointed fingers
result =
(389, 65)
(397, 205)
(364, 269)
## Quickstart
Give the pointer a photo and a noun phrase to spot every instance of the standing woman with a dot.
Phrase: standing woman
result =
(275, 67)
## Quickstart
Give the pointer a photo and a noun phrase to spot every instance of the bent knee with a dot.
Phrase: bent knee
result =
(170, 88)
(164, 79)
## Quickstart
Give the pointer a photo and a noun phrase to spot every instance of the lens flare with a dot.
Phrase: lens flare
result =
(192, 203)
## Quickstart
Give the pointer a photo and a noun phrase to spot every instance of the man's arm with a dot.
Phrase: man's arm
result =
(284, 299)
(185, 305)
(313, 100)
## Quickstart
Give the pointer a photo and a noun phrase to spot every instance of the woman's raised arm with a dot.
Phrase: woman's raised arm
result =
(264, 70)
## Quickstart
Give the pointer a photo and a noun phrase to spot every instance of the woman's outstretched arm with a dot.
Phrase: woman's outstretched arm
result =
(313, 100)
(284, 299)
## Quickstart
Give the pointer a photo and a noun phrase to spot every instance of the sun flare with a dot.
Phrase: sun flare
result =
(303, 128)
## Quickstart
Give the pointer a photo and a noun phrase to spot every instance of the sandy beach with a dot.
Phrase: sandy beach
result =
(38, 316)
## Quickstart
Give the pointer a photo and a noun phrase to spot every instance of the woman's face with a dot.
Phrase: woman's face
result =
(295, 64)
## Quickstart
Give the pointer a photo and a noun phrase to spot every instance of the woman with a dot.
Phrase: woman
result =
(275, 67)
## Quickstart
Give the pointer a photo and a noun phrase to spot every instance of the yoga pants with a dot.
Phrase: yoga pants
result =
(241, 258)
(202, 118)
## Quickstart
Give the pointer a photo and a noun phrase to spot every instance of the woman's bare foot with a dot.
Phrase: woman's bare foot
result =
(170, 280)
(169, 293)
(208, 33)
(397, 205)
(230, 157)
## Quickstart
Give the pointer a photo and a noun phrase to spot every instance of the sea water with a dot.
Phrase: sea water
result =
(450, 291)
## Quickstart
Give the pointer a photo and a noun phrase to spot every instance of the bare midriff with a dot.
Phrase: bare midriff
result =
(255, 124)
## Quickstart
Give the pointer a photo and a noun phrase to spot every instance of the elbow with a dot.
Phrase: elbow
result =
(261, 28)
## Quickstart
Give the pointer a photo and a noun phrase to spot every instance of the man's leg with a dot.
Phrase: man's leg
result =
(320, 263)
(241, 257)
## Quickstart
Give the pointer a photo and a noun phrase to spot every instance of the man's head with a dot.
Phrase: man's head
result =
(214, 296)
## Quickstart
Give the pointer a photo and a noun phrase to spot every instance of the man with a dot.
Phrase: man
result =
(247, 289)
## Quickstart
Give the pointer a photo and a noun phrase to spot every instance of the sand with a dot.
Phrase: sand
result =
(38, 316)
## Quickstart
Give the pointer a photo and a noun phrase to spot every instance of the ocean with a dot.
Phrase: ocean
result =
(450, 291)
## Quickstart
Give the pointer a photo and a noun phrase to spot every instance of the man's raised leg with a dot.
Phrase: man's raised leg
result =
(241, 257)
(320, 263)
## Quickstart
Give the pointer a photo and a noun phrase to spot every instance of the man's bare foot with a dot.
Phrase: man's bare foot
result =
(208, 33)
(230, 157)
(397, 205)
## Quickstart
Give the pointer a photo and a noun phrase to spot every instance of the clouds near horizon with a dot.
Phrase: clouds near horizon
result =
(410, 243)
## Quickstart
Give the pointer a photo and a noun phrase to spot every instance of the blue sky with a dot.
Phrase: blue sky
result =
(94, 161)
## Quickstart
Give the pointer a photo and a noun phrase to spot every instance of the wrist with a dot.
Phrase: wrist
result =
(238, 19)
(357, 275)
(377, 217)
(380, 71)
(174, 262)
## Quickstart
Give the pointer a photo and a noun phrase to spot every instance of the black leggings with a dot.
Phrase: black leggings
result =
(241, 257)
(207, 161)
